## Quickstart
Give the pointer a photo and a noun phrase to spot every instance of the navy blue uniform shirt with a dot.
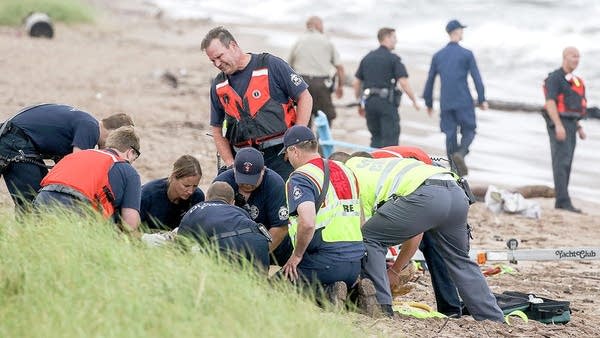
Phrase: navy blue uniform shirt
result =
(206, 219)
(158, 212)
(126, 186)
(266, 204)
(302, 189)
(284, 84)
(555, 84)
(453, 63)
(55, 129)
(379, 67)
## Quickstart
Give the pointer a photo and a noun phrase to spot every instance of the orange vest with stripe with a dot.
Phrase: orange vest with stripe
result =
(87, 172)
(254, 117)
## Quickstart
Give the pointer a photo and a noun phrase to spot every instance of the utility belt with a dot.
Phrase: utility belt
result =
(260, 229)
(66, 190)
(444, 180)
(392, 95)
(260, 144)
(10, 128)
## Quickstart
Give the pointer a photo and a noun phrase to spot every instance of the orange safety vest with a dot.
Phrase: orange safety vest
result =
(75, 171)
(255, 117)
(573, 100)
(402, 151)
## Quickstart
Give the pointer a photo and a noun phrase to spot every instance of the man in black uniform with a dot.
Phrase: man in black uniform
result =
(261, 192)
(231, 227)
(376, 84)
(565, 106)
(46, 131)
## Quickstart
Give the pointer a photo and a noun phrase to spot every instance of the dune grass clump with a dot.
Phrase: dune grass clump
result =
(12, 12)
(66, 275)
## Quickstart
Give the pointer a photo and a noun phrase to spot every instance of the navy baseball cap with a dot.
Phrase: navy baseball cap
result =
(454, 24)
(247, 166)
(295, 135)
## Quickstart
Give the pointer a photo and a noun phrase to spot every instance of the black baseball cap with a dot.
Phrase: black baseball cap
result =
(295, 135)
(454, 24)
(247, 166)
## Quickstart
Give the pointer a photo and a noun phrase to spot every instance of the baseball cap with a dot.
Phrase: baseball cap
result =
(247, 166)
(295, 135)
(454, 24)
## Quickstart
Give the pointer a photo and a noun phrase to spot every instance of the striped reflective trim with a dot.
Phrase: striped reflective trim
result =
(400, 175)
(384, 175)
(260, 72)
(222, 84)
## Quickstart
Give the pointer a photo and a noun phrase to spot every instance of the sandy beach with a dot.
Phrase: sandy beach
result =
(116, 65)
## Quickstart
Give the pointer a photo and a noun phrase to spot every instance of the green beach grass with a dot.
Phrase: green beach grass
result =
(12, 12)
(64, 275)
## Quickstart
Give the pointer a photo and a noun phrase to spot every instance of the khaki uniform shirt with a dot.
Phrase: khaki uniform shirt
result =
(314, 55)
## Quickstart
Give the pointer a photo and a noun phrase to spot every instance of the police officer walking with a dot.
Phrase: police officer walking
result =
(314, 56)
(377, 79)
(453, 63)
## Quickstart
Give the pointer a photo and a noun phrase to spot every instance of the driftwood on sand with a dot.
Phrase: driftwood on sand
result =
(528, 191)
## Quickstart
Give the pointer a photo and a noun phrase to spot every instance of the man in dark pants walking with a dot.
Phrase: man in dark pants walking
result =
(377, 78)
(453, 63)
(565, 106)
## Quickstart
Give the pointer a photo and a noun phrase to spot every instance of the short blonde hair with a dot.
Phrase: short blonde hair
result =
(123, 139)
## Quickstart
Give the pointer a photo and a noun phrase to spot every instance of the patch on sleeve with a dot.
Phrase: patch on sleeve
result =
(283, 213)
(253, 211)
(297, 193)
(296, 79)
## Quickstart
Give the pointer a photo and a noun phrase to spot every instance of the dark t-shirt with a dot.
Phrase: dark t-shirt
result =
(158, 212)
(207, 219)
(55, 129)
(379, 67)
(126, 186)
(284, 84)
(266, 204)
(302, 189)
(210, 218)
(555, 84)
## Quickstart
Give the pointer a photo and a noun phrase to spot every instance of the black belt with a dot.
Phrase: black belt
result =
(263, 145)
(228, 234)
(443, 183)
(374, 91)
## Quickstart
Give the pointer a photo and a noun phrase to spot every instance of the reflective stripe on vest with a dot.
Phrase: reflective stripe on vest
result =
(339, 215)
(75, 171)
(379, 179)
(255, 116)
